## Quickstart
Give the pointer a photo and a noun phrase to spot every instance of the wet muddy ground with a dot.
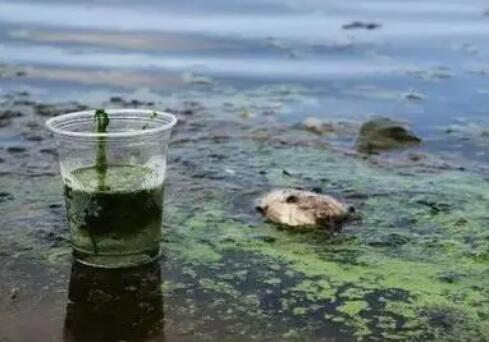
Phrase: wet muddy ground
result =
(412, 267)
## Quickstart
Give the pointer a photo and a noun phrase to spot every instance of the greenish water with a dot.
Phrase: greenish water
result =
(123, 218)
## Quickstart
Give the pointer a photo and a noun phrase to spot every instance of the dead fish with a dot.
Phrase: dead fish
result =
(303, 209)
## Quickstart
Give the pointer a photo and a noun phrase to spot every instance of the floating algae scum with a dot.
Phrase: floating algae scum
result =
(410, 270)
(114, 208)
(413, 268)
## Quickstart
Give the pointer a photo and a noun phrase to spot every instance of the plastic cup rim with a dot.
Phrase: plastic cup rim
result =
(52, 123)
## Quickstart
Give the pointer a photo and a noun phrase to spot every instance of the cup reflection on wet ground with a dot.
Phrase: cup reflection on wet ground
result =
(106, 305)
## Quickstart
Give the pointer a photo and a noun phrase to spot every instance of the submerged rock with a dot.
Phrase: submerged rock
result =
(57, 109)
(450, 276)
(16, 149)
(7, 115)
(390, 240)
(382, 134)
(5, 196)
(120, 101)
(334, 128)
(413, 95)
(303, 209)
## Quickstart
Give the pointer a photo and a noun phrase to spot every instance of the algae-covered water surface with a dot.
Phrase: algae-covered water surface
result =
(269, 95)
(412, 267)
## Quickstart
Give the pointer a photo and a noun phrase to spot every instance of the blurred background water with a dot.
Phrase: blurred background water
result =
(425, 62)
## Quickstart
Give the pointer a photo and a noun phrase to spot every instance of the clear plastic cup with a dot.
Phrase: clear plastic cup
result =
(113, 184)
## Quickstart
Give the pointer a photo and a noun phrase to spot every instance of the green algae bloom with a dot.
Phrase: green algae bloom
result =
(413, 268)
(384, 277)
(102, 121)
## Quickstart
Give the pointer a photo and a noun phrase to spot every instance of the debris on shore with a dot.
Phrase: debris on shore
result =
(303, 209)
(317, 126)
(14, 293)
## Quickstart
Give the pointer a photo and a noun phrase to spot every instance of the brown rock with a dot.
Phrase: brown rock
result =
(381, 134)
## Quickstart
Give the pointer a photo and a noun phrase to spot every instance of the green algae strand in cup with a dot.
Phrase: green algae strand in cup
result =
(113, 165)
(101, 121)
